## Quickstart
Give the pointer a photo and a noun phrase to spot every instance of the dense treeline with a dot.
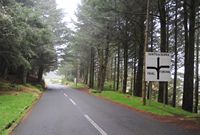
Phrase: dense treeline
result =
(29, 31)
(107, 46)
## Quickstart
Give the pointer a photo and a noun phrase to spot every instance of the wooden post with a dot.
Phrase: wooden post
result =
(145, 47)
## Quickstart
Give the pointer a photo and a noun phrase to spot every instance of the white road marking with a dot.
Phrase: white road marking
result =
(72, 101)
(65, 95)
(95, 125)
(88, 118)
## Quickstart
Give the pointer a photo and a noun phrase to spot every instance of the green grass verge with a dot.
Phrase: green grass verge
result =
(12, 107)
(77, 86)
(74, 85)
(37, 87)
(14, 101)
(136, 102)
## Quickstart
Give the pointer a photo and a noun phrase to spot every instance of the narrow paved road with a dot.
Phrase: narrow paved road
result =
(64, 111)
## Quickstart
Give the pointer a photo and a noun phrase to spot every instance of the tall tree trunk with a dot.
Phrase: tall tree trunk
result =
(77, 70)
(140, 70)
(3, 69)
(132, 76)
(96, 79)
(86, 73)
(149, 92)
(175, 55)
(152, 33)
(118, 67)
(138, 88)
(100, 71)
(186, 49)
(103, 65)
(167, 49)
(121, 71)
(135, 71)
(40, 73)
(91, 78)
(197, 76)
(163, 47)
(189, 59)
(5, 72)
(114, 77)
(111, 70)
(125, 66)
(24, 75)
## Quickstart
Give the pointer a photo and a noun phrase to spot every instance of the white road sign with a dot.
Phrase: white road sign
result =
(157, 67)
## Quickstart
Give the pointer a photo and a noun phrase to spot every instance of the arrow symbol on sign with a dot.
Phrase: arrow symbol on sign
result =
(158, 68)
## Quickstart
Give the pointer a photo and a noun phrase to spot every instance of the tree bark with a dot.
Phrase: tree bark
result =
(24, 80)
(86, 73)
(132, 76)
(135, 72)
(197, 76)
(104, 67)
(24, 75)
(5, 72)
(163, 47)
(149, 92)
(189, 58)
(111, 70)
(175, 55)
(125, 67)
(152, 33)
(3, 69)
(118, 67)
(91, 81)
(100, 71)
(140, 70)
(114, 77)
(40, 73)
(104, 55)
(138, 88)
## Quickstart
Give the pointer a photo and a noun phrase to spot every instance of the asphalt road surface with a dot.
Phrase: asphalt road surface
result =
(64, 111)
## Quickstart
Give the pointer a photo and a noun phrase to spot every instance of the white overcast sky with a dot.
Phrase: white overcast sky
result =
(69, 7)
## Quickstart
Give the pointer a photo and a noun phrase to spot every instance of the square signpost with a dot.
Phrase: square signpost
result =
(158, 67)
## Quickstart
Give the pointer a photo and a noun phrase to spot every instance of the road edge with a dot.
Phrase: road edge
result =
(24, 114)
(178, 121)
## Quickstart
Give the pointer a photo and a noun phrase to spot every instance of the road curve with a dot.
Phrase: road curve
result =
(64, 111)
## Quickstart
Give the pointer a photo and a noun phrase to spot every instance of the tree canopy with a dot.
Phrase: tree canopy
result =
(30, 31)
(109, 41)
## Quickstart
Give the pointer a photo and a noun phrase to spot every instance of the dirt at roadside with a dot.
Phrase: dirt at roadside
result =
(18, 90)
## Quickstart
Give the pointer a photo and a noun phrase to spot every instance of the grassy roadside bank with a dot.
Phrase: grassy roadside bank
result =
(154, 107)
(136, 102)
(14, 101)
(76, 86)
